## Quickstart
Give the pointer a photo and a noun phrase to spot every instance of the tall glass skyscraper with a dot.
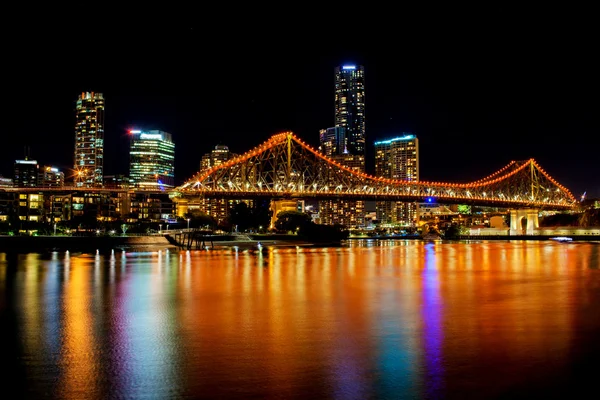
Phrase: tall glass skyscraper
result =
(350, 105)
(345, 142)
(89, 140)
(152, 160)
(397, 158)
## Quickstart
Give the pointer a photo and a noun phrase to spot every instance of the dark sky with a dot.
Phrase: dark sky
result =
(477, 97)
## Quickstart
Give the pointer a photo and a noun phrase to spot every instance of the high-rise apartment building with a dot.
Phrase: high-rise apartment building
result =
(26, 173)
(217, 156)
(332, 141)
(89, 140)
(51, 177)
(151, 160)
(345, 143)
(350, 105)
(397, 158)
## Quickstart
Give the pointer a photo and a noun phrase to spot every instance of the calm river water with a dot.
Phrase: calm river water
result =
(396, 319)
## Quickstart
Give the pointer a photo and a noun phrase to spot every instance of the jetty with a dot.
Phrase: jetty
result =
(192, 238)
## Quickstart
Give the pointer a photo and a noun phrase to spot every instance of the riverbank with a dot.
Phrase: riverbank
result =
(103, 243)
(78, 243)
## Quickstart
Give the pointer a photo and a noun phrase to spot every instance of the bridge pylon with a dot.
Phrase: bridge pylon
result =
(517, 215)
(278, 206)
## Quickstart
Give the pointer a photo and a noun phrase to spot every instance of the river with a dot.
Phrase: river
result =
(390, 319)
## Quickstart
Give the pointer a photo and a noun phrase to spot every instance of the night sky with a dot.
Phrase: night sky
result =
(476, 97)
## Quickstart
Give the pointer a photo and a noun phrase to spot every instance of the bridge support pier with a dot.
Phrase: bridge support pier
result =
(281, 205)
(531, 214)
(181, 207)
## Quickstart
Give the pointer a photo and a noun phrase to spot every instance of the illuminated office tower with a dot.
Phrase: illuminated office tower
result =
(89, 140)
(50, 177)
(217, 156)
(350, 105)
(26, 173)
(152, 160)
(397, 158)
(349, 117)
(332, 141)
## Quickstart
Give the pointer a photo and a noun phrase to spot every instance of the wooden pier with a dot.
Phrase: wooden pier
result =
(192, 239)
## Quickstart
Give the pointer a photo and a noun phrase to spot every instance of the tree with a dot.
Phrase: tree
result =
(561, 219)
(198, 219)
(589, 218)
(241, 217)
(454, 231)
(291, 221)
(261, 213)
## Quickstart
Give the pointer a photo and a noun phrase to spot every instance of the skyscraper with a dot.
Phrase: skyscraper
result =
(397, 158)
(345, 142)
(350, 105)
(26, 173)
(151, 160)
(89, 140)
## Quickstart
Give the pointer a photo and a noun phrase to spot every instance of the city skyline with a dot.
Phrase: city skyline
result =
(475, 114)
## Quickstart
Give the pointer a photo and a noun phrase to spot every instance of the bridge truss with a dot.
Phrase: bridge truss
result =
(285, 167)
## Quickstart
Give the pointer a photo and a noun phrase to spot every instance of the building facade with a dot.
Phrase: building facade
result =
(397, 158)
(345, 143)
(51, 177)
(26, 173)
(332, 141)
(216, 157)
(89, 140)
(152, 160)
(350, 105)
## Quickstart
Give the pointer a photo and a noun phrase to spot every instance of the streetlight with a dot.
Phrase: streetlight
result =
(55, 229)
(159, 228)
(188, 220)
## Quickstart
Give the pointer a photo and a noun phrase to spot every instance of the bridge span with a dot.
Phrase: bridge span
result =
(285, 167)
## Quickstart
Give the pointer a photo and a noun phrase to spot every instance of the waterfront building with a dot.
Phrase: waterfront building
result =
(89, 140)
(149, 207)
(350, 105)
(397, 158)
(345, 143)
(27, 209)
(152, 160)
(26, 173)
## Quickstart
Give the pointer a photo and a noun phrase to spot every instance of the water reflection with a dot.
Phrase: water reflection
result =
(404, 320)
(431, 315)
(79, 353)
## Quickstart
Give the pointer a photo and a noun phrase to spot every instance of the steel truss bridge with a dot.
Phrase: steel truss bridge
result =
(285, 167)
